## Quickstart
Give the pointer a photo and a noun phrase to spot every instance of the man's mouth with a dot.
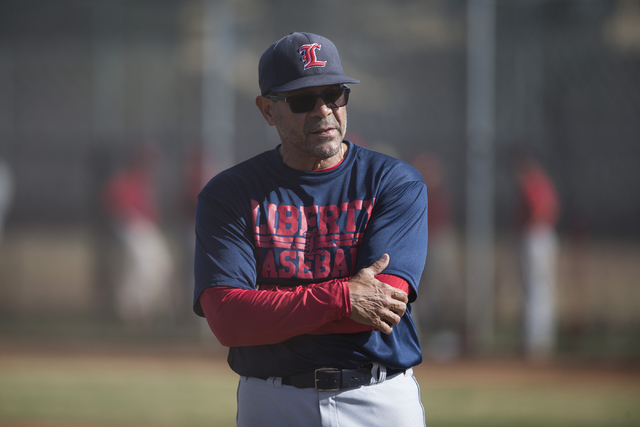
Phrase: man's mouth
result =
(325, 131)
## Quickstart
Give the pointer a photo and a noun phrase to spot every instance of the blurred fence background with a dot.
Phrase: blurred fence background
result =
(85, 83)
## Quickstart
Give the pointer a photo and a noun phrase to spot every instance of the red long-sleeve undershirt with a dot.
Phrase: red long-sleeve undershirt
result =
(241, 317)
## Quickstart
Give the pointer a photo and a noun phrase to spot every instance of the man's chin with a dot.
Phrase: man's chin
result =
(333, 140)
(327, 149)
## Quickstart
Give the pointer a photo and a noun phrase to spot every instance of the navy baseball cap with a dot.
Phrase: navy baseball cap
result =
(300, 60)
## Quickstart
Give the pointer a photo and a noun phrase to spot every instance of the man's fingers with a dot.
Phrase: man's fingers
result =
(388, 321)
(400, 296)
(376, 303)
(398, 309)
(384, 327)
(378, 266)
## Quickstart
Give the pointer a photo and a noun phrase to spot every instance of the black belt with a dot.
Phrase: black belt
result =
(334, 379)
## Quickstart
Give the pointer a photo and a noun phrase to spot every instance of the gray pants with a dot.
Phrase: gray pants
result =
(539, 252)
(393, 401)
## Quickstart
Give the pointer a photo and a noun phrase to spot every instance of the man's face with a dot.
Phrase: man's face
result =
(317, 134)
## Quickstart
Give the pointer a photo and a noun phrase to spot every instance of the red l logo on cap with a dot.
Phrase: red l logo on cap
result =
(308, 55)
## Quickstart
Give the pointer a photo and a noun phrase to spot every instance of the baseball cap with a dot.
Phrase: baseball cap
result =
(300, 60)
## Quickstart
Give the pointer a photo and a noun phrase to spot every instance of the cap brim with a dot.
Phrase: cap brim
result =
(315, 80)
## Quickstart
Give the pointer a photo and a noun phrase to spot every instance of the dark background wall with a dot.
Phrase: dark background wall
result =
(81, 82)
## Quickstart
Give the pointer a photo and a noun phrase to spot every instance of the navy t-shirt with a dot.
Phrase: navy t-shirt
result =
(263, 222)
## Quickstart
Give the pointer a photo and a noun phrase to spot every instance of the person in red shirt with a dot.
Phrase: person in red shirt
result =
(6, 192)
(440, 313)
(130, 201)
(537, 217)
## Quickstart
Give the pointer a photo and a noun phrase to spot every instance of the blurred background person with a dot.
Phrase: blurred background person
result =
(6, 193)
(198, 167)
(440, 308)
(130, 201)
(537, 216)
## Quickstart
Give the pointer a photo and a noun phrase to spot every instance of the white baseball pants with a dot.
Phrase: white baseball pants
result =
(393, 401)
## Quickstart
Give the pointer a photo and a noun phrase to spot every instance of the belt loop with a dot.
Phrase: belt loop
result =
(378, 373)
(275, 382)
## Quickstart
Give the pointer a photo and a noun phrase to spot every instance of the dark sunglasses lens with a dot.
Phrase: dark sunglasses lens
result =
(334, 98)
(305, 103)
(302, 103)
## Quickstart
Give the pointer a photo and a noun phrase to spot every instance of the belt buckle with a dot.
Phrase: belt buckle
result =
(315, 377)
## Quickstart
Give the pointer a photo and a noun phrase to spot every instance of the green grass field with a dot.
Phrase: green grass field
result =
(119, 389)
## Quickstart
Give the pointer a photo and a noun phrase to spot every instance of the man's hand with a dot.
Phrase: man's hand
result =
(375, 303)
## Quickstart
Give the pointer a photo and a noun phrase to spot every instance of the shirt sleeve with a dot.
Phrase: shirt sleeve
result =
(241, 317)
(398, 226)
(348, 326)
(224, 249)
(279, 313)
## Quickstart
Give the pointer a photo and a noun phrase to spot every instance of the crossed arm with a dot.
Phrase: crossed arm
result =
(366, 301)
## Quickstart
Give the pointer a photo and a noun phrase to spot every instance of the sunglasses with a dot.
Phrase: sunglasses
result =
(305, 103)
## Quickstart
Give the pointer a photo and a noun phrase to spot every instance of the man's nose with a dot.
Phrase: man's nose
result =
(321, 109)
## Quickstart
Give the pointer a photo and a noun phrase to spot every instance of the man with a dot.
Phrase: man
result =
(130, 200)
(440, 316)
(6, 193)
(537, 216)
(307, 256)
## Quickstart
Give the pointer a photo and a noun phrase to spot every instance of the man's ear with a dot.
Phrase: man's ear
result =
(267, 108)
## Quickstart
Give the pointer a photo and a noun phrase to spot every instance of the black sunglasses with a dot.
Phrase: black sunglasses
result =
(304, 103)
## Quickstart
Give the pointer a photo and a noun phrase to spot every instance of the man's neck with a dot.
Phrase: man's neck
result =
(314, 165)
